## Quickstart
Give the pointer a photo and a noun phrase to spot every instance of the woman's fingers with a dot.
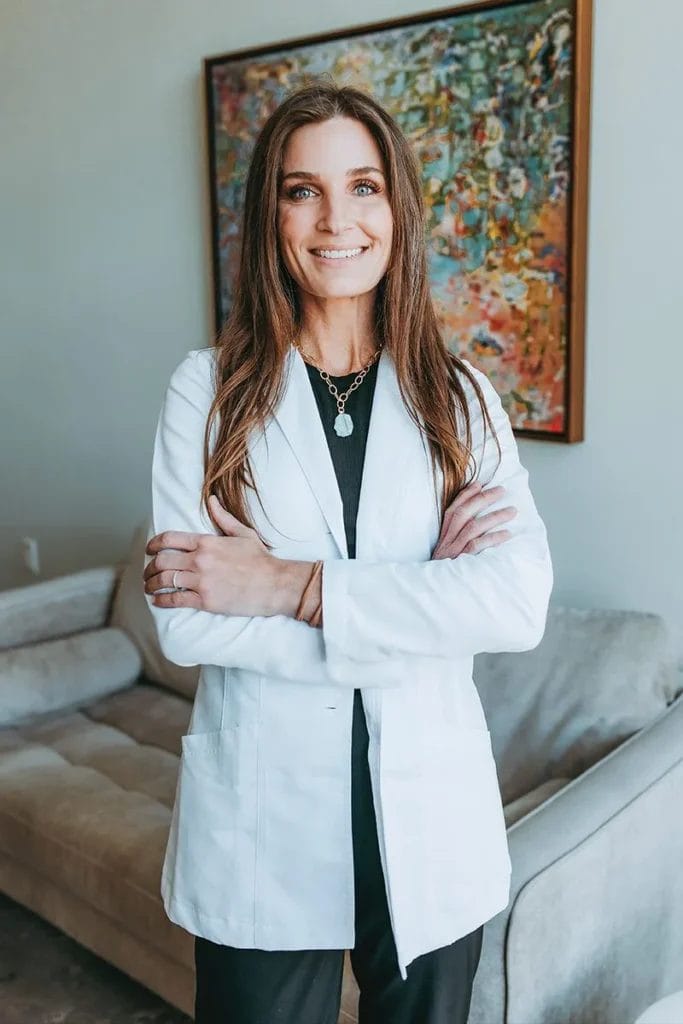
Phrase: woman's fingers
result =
(177, 599)
(184, 580)
(481, 524)
(464, 530)
(472, 499)
(487, 540)
(465, 507)
(170, 558)
(472, 544)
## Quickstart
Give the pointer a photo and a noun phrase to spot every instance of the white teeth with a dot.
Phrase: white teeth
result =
(337, 254)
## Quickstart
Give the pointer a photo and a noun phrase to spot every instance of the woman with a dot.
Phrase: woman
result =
(337, 788)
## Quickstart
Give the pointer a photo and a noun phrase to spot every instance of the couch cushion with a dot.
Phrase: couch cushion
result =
(131, 613)
(597, 677)
(56, 607)
(86, 800)
(43, 677)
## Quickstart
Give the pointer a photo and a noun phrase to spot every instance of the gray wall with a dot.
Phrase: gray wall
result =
(105, 279)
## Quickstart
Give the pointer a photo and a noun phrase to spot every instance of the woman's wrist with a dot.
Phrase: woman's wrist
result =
(291, 578)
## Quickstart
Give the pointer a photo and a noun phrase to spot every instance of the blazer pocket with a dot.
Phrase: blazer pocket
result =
(207, 819)
(211, 754)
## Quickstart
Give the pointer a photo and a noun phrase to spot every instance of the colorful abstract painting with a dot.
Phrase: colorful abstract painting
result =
(487, 97)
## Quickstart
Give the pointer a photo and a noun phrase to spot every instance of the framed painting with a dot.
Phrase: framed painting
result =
(495, 99)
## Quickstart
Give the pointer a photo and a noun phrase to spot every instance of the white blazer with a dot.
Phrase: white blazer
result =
(259, 852)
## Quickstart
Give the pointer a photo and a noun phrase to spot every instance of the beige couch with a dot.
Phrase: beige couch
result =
(588, 736)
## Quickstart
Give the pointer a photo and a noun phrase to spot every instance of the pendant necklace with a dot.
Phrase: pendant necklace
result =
(343, 424)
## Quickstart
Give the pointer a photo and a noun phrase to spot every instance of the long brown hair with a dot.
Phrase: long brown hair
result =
(254, 340)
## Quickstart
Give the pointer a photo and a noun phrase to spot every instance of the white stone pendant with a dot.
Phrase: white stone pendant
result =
(343, 425)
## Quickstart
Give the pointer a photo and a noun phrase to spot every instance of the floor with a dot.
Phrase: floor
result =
(47, 978)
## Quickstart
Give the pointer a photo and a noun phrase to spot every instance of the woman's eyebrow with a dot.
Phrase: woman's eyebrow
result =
(316, 177)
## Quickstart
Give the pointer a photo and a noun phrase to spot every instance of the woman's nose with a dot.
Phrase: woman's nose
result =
(335, 215)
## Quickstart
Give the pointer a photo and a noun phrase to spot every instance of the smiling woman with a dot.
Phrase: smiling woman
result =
(329, 463)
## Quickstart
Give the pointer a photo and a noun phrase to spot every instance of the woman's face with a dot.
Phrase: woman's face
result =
(333, 199)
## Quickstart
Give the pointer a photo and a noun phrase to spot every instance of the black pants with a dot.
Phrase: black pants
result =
(255, 986)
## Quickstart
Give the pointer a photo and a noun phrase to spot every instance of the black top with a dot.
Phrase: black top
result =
(348, 453)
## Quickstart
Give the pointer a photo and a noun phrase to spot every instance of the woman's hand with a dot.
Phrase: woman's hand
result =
(463, 532)
(232, 575)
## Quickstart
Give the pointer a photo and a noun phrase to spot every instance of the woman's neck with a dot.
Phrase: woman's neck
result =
(337, 358)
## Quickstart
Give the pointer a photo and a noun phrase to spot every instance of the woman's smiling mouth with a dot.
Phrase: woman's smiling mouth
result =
(339, 255)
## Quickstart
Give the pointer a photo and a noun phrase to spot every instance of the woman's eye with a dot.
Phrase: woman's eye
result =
(294, 193)
(367, 184)
(297, 188)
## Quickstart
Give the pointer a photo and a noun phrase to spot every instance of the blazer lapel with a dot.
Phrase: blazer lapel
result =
(397, 465)
(394, 450)
(299, 420)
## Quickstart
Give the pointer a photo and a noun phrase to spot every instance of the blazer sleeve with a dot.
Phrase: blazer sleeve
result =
(275, 645)
(494, 600)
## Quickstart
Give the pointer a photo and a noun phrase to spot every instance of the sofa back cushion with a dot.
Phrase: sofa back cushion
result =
(130, 612)
(597, 677)
(66, 672)
(48, 609)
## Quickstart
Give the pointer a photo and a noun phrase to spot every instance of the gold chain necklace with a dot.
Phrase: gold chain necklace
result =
(343, 424)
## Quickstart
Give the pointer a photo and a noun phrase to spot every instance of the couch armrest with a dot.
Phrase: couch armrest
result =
(594, 926)
(58, 607)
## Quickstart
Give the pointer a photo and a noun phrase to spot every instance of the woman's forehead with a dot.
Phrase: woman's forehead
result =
(341, 143)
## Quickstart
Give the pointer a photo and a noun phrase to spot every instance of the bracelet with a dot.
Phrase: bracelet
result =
(316, 618)
(301, 616)
(304, 612)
